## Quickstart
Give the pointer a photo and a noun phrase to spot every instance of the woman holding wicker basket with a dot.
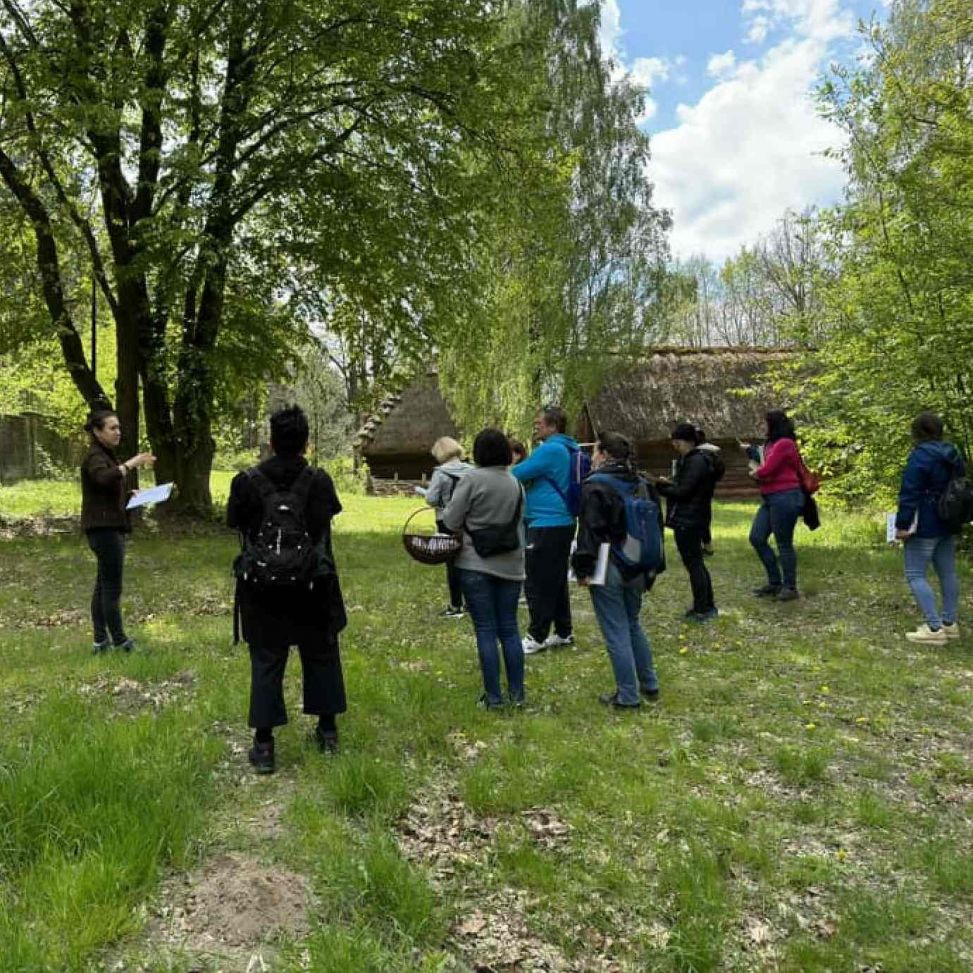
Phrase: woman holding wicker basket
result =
(487, 510)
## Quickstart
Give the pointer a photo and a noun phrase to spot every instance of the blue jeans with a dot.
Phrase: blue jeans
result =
(617, 604)
(919, 551)
(778, 515)
(492, 603)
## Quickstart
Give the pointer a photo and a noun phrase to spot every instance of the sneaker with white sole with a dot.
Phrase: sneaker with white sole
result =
(557, 642)
(926, 635)
(451, 611)
(532, 646)
(951, 631)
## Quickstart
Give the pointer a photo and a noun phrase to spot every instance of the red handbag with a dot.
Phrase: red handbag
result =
(810, 482)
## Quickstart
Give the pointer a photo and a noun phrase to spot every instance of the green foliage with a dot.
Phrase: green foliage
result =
(568, 264)
(898, 305)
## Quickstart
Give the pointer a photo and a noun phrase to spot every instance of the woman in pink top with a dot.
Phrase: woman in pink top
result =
(779, 476)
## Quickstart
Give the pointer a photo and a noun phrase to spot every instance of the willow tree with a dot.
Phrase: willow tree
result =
(570, 255)
(153, 136)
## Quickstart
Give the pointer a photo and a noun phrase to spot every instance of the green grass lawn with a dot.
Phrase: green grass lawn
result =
(799, 800)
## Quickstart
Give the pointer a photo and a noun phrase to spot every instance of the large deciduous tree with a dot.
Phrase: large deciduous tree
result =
(151, 135)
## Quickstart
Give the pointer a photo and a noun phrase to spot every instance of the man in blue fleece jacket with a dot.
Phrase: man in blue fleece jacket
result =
(546, 473)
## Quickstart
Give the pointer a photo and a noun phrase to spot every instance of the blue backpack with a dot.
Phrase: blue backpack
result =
(579, 466)
(642, 551)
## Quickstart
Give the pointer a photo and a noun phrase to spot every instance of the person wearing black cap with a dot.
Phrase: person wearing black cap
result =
(690, 497)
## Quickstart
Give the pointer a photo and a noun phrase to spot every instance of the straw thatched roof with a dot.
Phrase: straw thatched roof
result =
(703, 386)
(408, 422)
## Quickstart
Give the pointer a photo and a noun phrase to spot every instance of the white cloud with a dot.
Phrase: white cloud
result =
(610, 29)
(822, 20)
(751, 147)
(721, 65)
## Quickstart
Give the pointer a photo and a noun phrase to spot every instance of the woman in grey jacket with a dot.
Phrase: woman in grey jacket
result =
(487, 508)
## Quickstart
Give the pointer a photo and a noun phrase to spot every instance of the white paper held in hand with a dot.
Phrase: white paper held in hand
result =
(601, 565)
(156, 494)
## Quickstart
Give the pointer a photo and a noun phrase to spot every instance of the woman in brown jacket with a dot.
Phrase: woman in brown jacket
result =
(105, 522)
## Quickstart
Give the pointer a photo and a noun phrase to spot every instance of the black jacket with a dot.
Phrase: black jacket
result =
(103, 490)
(309, 618)
(602, 517)
(690, 495)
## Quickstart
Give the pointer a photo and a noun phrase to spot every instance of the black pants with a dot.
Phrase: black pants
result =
(548, 551)
(324, 685)
(689, 541)
(452, 576)
(108, 545)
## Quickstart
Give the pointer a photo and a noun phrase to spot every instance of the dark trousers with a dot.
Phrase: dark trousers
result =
(324, 686)
(689, 542)
(108, 545)
(548, 551)
(453, 583)
(452, 575)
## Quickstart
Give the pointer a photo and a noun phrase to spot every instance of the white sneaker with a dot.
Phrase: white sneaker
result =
(951, 631)
(532, 646)
(556, 642)
(926, 635)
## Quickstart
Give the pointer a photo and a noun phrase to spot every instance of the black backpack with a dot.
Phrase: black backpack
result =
(280, 553)
(955, 504)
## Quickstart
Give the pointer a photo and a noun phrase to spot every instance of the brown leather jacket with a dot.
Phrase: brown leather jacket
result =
(103, 490)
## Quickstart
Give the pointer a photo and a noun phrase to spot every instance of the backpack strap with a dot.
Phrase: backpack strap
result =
(553, 482)
(301, 487)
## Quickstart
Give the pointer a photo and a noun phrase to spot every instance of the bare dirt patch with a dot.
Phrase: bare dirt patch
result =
(234, 908)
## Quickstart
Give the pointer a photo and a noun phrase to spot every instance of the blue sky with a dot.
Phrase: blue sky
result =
(736, 139)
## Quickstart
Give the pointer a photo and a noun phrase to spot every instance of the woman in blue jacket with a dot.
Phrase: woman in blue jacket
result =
(931, 465)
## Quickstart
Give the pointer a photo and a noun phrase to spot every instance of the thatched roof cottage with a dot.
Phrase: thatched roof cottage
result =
(724, 390)
(395, 441)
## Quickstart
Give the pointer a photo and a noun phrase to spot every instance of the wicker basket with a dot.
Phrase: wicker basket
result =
(430, 548)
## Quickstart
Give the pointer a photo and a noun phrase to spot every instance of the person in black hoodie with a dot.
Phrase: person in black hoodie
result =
(104, 520)
(275, 618)
(690, 504)
(618, 602)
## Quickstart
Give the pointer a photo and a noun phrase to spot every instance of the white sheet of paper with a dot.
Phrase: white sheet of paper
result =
(156, 494)
(601, 565)
(890, 527)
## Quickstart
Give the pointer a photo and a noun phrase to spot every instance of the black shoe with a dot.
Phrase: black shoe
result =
(652, 695)
(327, 740)
(98, 647)
(452, 612)
(127, 646)
(701, 618)
(611, 699)
(788, 594)
(488, 703)
(767, 591)
(261, 757)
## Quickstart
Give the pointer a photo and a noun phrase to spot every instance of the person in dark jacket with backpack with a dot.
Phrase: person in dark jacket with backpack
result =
(303, 609)
(547, 475)
(618, 601)
(927, 536)
(104, 520)
(690, 498)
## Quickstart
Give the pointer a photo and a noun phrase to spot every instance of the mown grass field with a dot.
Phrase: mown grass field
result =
(799, 800)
